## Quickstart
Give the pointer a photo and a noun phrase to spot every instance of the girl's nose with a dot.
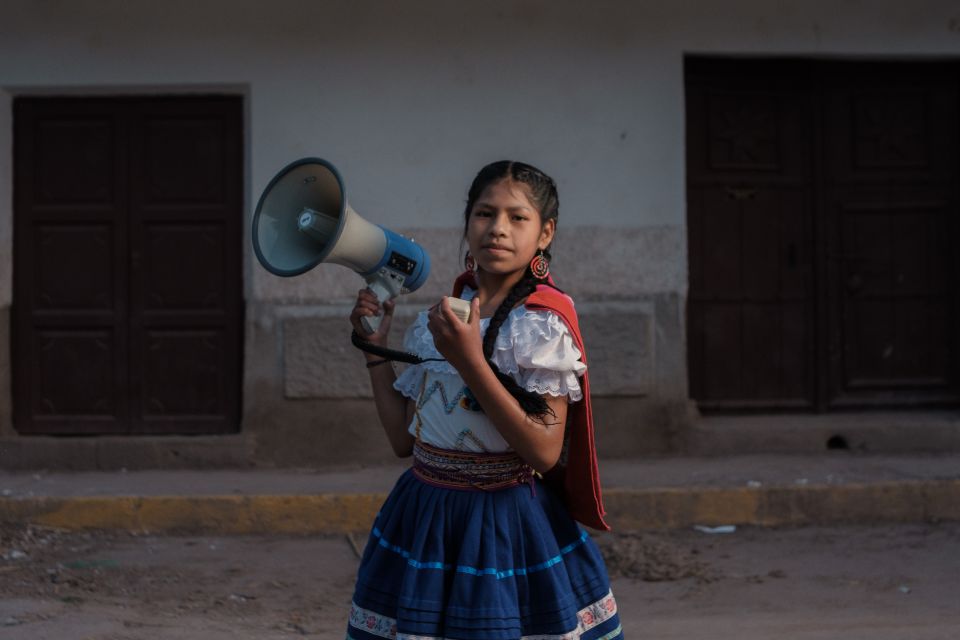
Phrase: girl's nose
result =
(498, 225)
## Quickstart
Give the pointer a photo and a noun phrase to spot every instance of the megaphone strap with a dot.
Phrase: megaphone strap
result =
(390, 354)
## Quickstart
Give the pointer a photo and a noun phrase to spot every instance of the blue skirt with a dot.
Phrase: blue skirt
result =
(497, 565)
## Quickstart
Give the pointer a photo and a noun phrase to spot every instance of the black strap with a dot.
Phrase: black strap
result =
(389, 354)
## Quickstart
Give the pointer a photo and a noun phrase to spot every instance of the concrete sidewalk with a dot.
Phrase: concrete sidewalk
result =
(643, 493)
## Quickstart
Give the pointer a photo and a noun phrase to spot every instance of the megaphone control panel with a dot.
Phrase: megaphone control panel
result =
(403, 264)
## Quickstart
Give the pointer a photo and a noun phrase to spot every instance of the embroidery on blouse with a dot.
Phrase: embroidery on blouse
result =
(419, 405)
(467, 434)
(464, 399)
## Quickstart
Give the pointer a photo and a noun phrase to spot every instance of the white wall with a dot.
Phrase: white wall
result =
(409, 99)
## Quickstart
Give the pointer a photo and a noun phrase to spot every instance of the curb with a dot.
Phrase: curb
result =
(639, 509)
(868, 503)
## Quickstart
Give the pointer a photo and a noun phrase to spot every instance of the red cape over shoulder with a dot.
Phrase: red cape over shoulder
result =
(579, 477)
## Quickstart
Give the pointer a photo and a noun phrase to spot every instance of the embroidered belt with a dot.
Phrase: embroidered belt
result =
(468, 471)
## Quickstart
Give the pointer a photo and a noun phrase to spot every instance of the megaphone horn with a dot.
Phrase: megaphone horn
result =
(303, 219)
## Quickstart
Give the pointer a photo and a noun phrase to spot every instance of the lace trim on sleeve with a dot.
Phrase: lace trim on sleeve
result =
(537, 349)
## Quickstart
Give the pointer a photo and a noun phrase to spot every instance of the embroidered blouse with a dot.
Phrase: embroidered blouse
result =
(535, 347)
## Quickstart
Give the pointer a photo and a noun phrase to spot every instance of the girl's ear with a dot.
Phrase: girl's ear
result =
(546, 233)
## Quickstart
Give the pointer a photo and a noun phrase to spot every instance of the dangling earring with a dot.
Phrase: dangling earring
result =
(470, 263)
(540, 266)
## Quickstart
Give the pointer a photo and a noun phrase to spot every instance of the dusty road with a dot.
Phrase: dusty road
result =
(880, 583)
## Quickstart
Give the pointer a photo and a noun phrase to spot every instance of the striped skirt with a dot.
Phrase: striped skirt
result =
(488, 553)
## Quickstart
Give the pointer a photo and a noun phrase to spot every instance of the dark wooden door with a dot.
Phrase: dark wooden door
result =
(859, 162)
(892, 165)
(127, 265)
(750, 189)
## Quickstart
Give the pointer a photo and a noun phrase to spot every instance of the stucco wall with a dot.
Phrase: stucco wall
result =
(409, 99)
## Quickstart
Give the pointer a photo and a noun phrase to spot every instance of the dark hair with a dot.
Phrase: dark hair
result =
(542, 191)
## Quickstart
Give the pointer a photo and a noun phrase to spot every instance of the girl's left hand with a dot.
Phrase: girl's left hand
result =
(459, 342)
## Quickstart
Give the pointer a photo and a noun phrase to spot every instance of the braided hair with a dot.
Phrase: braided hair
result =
(543, 195)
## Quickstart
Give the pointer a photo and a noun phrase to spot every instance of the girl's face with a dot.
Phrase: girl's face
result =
(505, 230)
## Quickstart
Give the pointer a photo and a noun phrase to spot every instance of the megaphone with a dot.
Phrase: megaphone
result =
(303, 219)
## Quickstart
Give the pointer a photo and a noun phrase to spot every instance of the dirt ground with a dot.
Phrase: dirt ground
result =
(877, 583)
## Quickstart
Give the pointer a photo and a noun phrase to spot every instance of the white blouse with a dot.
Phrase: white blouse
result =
(535, 347)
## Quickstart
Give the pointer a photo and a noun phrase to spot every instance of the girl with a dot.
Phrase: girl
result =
(478, 539)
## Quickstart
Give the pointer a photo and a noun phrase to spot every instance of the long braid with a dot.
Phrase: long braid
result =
(524, 287)
(532, 403)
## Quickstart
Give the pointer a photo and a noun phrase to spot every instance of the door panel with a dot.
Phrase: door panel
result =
(893, 299)
(85, 252)
(74, 378)
(76, 159)
(182, 376)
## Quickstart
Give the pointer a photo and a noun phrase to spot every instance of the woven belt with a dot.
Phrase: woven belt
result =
(469, 471)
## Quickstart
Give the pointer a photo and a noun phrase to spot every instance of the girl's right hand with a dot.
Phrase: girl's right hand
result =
(368, 305)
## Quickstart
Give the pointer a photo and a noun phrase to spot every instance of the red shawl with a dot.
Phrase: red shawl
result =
(578, 478)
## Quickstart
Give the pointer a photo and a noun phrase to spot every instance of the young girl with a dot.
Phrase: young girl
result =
(478, 539)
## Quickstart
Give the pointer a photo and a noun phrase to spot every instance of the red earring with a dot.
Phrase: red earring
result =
(540, 266)
(470, 263)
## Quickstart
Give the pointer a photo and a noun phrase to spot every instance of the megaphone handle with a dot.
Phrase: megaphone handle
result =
(385, 288)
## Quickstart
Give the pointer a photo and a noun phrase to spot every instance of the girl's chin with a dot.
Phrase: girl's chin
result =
(498, 271)
(495, 261)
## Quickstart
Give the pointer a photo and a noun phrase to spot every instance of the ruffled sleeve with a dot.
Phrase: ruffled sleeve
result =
(537, 349)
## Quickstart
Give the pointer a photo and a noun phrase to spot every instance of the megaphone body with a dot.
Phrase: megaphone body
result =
(303, 219)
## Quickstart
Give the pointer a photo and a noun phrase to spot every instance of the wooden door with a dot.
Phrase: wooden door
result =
(127, 265)
(822, 204)
(891, 168)
(749, 187)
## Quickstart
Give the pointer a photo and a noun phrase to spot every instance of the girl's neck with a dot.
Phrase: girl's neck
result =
(493, 288)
